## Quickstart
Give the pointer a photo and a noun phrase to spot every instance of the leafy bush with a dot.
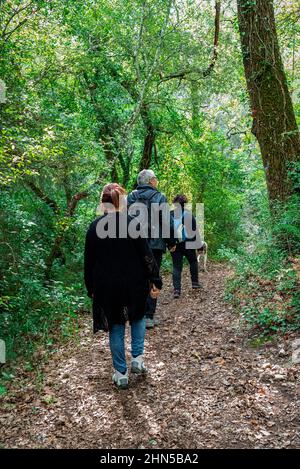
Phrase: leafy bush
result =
(265, 288)
(33, 312)
(38, 314)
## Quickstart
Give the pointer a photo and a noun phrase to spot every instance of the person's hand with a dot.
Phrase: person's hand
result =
(154, 292)
(173, 249)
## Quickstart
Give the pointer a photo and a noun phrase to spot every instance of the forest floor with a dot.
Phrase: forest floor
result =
(206, 387)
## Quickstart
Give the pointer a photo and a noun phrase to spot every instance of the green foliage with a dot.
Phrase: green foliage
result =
(31, 310)
(265, 288)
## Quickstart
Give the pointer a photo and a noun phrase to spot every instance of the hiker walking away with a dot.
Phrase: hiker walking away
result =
(186, 231)
(119, 272)
(148, 194)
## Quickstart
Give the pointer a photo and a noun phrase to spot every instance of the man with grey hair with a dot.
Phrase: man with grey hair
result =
(156, 203)
(147, 177)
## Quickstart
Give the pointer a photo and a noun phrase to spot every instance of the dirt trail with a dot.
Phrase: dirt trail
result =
(205, 389)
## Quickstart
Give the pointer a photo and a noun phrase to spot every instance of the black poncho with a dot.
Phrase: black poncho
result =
(118, 273)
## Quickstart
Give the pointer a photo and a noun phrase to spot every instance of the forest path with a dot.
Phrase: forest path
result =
(205, 388)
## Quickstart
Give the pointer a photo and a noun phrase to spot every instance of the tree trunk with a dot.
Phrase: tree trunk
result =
(274, 123)
(149, 139)
(148, 148)
(109, 152)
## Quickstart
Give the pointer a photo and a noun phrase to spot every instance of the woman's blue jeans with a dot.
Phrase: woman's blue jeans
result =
(117, 343)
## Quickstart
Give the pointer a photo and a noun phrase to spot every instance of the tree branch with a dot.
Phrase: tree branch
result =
(216, 39)
(45, 198)
(195, 70)
(74, 201)
(5, 35)
(139, 42)
(16, 12)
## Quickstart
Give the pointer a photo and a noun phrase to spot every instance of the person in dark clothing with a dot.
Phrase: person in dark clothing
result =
(159, 228)
(119, 272)
(186, 231)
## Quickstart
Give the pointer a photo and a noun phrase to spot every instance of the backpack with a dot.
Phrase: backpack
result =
(147, 202)
(179, 228)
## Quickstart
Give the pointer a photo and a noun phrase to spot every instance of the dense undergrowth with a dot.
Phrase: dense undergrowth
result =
(266, 285)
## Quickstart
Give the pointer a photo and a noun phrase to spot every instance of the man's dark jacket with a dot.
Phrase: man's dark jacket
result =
(149, 195)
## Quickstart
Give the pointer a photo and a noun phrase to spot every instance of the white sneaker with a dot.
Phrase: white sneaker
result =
(149, 323)
(120, 380)
(138, 365)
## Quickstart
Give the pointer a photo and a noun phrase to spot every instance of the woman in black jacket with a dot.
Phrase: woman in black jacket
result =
(119, 272)
(186, 233)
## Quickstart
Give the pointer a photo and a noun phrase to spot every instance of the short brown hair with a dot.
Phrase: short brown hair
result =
(180, 199)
